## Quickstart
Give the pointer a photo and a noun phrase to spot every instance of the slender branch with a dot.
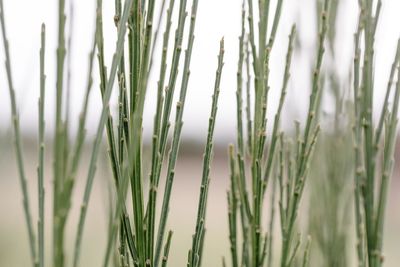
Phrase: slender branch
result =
(17, 140)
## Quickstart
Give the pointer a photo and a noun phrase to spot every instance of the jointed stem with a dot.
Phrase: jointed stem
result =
(17, 141)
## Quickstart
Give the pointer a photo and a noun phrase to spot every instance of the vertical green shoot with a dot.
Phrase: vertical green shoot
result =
(232, 208)
(179, 111)
(197, 242)
(40, 169)
(100, 129)
(370, 202)
(166, 250)
(17, 140)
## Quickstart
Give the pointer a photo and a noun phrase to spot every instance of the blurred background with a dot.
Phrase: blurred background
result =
(216, 19)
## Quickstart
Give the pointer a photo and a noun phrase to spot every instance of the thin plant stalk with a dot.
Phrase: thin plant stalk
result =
(156, 157)
(179, 114)
(59, 143)
(100, 129)
(17, 141)
(371, 185)
(40, 169)
(197, 241)
(166, 250)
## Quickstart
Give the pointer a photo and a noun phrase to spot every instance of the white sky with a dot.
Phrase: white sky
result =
(216, 18)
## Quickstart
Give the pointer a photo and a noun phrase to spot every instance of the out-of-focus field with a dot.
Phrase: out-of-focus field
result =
(13, 235)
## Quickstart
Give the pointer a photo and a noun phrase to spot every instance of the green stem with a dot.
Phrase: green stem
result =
(100, 129)
(41, 148)
(17, 141)
(197, 242)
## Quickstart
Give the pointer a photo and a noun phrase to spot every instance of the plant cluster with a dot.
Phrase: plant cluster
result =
(291, 157)
(276, 164)
(140, 242)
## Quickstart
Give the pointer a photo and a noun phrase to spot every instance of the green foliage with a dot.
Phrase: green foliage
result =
(293, 160)
(371, 148)
(331, 174)
(139, 237)
(140, 242)
(195, 253)
(17, 141)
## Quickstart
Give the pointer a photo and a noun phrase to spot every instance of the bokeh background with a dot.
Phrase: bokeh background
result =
(216, 19)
